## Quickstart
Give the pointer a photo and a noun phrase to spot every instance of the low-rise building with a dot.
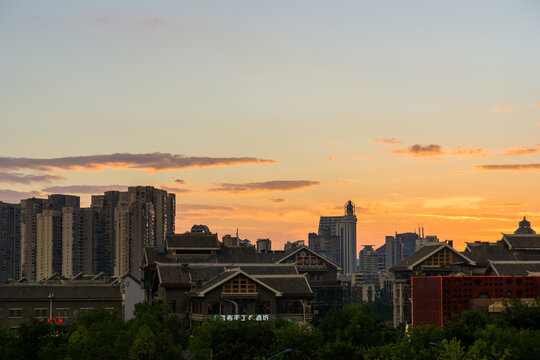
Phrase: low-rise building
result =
(58, 299)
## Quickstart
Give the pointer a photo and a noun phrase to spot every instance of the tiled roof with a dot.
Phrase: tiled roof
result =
(483, 252)
(32, 291)
(193, 241)
(522, 241)
(288, 285)
(515, 268)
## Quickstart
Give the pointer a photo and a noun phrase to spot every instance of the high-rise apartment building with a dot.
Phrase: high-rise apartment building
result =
(337, 238)
(48, 243)
(29, 210)
(164, 208)
(10, 241)
(72, 249)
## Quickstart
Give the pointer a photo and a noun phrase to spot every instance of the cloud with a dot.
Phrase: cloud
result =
(276, 185)
(13, 178)
(278, 200)
(420, 150)
(153, 162)
(11, 196)
(180, 181)
(524, 150)
(84, 189)
(474, 152)
(330, 158)
(174, 189)
(502, 108)
(391, 141)
(538, 104)
(455, 202)
(510, 167)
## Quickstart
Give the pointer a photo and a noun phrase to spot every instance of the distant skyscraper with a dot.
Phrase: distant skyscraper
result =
(399, 247)
(10, 241)
(369, 260)
(337, 238)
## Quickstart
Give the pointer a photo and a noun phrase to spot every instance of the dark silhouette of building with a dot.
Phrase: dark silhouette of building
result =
(10, 241)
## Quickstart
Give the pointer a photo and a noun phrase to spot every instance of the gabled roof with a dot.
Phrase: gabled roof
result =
(515, 267)
(522, 241)
(423, 254)
(229, 275)
(305, 248)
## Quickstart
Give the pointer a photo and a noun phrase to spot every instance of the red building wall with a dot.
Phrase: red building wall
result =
(436, 298)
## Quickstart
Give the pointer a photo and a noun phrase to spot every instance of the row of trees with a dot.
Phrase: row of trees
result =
(352, 332)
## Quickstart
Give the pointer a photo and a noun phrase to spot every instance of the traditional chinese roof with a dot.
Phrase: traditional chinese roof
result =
(423, 254)
(283, 257)
(522, 241)
(483, 252)
(515, 268)
(197, 241)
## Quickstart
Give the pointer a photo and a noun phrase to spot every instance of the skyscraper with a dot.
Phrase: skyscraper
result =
(29, 210)
(337, 238)
(10, 241)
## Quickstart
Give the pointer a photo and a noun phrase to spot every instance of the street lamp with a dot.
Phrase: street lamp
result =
(281, 353)
(304, 308)
(234, 303)
(51, 297)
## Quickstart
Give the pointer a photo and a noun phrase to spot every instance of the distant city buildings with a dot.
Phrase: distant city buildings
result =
(43, 237)
(336, 238)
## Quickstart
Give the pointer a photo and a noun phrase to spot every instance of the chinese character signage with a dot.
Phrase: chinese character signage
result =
(258, 317)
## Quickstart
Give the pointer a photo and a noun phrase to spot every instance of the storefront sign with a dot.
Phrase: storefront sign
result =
(258, 317)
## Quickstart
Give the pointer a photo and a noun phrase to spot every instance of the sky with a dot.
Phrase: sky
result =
(265, 115)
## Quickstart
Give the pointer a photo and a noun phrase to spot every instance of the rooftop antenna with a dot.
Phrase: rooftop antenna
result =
(237, 233)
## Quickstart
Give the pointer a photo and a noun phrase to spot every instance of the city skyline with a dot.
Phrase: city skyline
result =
(266, 116)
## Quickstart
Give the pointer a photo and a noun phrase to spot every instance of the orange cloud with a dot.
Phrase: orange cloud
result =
(502, 108)
(152, 162)
(474, 152)
(84, 189)
(538, 104)
(391, 141)
(278, 200)
(510, 167)
(418, 150)
(180, 181)
(524, 150)
(276, 185)
(330, 158)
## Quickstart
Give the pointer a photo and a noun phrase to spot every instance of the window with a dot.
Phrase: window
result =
(110, 310)
(40, 312)
(305, 258)
(240, 285)
(86, 310)
(15, 313)
(62, 312)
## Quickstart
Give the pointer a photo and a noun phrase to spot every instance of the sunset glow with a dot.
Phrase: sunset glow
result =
(263, 123)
